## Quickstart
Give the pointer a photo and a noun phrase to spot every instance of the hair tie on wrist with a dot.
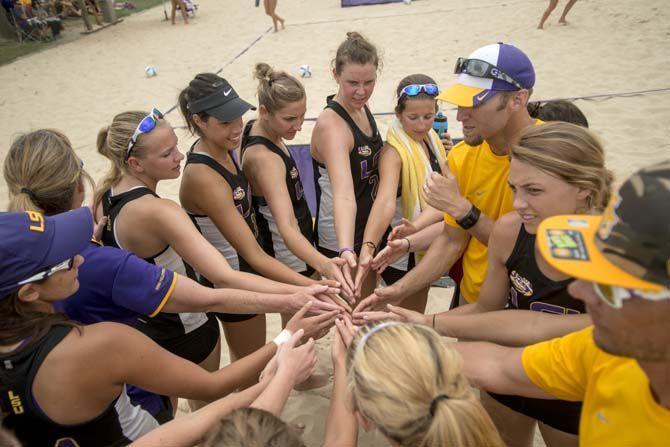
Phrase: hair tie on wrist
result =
(31, 194)
(371, 245)
(435, 401)
(409, 244)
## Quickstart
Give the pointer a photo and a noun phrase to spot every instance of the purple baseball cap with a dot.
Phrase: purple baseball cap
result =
(471, 91)
(31, 243)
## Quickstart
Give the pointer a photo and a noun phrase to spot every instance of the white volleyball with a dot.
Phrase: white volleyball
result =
(304, 71)
(150, 71)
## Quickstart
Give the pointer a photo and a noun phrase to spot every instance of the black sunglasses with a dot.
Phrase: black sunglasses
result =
(482, 69)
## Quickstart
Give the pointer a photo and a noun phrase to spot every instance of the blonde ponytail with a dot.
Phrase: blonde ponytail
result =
(412, 387)
(42, 172)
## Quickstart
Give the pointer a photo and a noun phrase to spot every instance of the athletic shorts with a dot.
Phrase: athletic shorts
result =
(559, 414)
(194, 346)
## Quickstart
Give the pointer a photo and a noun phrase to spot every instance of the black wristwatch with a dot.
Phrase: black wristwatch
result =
(469, 220)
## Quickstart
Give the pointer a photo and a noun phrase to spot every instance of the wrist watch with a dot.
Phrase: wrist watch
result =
(470, 219)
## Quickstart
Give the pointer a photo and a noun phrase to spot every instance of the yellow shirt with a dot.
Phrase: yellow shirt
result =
(482, 179)
(619, 409)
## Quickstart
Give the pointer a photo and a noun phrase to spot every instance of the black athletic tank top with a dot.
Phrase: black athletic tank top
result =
(364, 165)
(241, 197)
(269, 236)
(163, 325)
(530, 289)
(119, 425)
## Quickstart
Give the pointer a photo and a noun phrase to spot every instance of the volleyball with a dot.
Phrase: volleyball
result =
(150, 71)
(304, 71)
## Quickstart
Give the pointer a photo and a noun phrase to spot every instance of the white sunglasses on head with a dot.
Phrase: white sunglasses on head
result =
(65, 265)
(614, 295)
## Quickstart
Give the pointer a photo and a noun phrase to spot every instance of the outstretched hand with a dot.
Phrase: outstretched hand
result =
(298, 362)
(393, 251)
(316, 326)
(380, 297)
(333, 270)
(342, 338)
(396, 313)
(404, 229)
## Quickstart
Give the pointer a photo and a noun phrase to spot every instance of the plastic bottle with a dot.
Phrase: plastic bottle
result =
(441, 124)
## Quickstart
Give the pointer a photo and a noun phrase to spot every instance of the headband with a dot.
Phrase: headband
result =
(368, 334)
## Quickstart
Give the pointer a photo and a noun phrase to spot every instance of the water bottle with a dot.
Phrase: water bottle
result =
(441, 124)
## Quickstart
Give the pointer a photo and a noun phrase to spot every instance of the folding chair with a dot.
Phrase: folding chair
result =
(26, 30)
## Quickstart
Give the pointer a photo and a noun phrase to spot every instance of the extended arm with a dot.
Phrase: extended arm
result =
(190, 429)
(498, 369)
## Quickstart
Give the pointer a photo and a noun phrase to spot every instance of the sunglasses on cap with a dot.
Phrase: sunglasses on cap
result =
(147, 124)
(416, 89)
(614, 296)
(65, 265)
(482, 69)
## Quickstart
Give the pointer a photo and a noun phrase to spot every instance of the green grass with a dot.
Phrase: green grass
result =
(11, 49)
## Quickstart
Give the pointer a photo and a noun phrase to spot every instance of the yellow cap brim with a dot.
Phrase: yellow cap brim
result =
(567, 244)
(460, 95)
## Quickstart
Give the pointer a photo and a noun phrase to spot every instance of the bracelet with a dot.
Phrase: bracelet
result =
(409, 244)
(371, 244)
(434, 320)
(284, 336)
(345, 249)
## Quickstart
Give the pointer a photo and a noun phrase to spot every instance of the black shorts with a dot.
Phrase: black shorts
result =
(233, 318)
(559, 414)
(194, 346)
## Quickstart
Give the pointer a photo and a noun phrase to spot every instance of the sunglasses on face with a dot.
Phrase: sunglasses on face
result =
(65, 265)
(482, 69)
(147, 124)
(614, 296)
(416, 89)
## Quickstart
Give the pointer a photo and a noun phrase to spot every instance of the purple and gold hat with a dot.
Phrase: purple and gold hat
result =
(504, 68)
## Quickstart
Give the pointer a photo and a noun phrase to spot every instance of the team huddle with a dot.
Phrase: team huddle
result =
(109, 313)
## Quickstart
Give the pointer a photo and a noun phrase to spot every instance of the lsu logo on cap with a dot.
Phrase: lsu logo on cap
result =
(610, 218)
(238, 193)
(38, 221)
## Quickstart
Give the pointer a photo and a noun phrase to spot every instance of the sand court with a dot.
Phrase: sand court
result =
(610, 46)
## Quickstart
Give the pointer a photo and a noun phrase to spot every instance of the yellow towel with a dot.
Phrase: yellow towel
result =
(415, 166)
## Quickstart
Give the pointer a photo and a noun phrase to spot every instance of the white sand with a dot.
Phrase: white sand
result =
(610, 46)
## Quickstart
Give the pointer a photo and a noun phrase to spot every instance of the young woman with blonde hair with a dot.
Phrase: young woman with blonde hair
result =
(403, 380)
(142, 149)
(282, 214)
(556, 168)
(346, 134)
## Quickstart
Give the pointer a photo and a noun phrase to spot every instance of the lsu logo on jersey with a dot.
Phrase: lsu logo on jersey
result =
(239, 193)
(610, 218)
(37, 221)
(15, 401)
(521, 284)
(294, 173)
(364, 151)
(66, 442)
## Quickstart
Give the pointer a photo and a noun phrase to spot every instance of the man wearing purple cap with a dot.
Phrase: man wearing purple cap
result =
(491, 92)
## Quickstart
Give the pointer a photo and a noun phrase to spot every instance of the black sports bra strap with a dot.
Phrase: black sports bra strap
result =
(268, 143)
(199, 158)
(519, 249)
